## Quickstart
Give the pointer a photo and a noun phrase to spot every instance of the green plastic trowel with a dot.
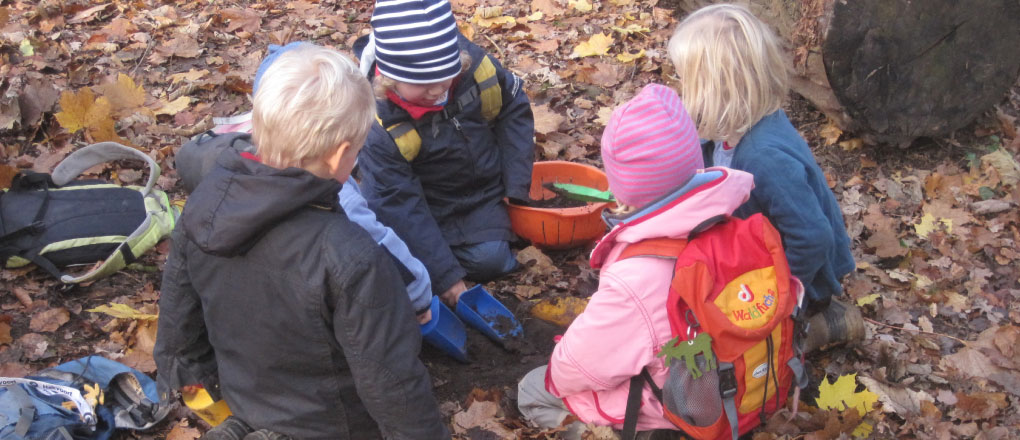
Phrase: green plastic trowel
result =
(580, 192)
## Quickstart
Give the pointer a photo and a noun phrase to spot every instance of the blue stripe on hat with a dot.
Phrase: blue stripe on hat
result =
(416, 40)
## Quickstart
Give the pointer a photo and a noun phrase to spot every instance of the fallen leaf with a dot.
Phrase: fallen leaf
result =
(175, 106)
(34, 346)
(842, 395)
(245, 19)
(1005, 164)
(830, 133)
(26, 48)
(852, 144)
(559, 311)
(123, 94)
(992, 206)
(527, 292)
(37, 98)
(118, 310)
(551, 8)
(181, 431)
(7, 173)
(77, 109)
(580, 5)
(536, 261)
(977, 406)
(49, 320)
(466, 29)
(5, 333)
(886, 244)
(546, 120)
(903, 401)
(604, 113)
(483, 415)
(870, 299)
(628, 57)
(596, 45)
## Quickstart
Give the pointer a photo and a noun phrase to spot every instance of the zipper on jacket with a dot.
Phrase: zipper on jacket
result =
(456, 124)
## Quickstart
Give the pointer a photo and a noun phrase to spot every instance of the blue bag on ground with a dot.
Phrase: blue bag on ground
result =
(63, 402)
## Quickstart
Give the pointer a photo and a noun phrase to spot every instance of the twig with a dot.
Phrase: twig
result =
(500, 49)
(917, 330)
(142, 58)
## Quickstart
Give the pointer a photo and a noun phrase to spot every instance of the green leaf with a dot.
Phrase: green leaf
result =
(986, 193)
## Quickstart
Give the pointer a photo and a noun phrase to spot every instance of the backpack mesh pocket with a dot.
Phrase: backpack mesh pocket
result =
(696, 401)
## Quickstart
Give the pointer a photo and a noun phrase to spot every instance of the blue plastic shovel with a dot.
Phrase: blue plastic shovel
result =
(480, 310)
(445, 331)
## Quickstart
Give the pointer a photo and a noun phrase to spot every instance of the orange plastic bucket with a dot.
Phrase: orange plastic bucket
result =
(560, 228)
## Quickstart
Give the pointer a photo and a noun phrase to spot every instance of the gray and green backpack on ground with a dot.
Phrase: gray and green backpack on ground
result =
(56, 221)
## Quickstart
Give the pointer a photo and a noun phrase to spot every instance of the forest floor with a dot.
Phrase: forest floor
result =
(934, 226)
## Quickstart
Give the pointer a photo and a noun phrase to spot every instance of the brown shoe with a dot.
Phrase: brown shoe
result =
(838, 323)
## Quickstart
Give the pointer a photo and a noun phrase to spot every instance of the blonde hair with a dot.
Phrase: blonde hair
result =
(382, 83)
(310, 101)
(731, 67)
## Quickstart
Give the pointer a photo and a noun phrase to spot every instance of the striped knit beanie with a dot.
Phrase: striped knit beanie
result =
(650, 146)
(415, 41)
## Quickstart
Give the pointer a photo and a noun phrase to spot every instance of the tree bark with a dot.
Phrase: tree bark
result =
(891, 71)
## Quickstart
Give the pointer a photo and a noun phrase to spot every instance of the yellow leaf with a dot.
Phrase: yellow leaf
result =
(73, 108)
(632, 28)
(851, 144)
(125, 311)
(597, 45)
(174, 107)
(830, 133)
(1003, 162)
(490, 23)
(926, 226)
(191, 75)
(870, 299)
(622, 2)
(123, 94)
(581, 5)
(489, 12)
(840, 395)
(536, 16)
(627, 57)
(26, 48)
(466, 29)
(863, 430)
(559, 311)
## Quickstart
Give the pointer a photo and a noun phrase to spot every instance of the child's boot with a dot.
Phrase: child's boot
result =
(836, 324)
(232, 428)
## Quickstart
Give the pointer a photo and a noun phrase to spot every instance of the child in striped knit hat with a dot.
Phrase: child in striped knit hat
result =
(455, 137)
(653, 161)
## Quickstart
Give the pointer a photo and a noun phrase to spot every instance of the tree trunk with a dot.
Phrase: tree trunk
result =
(891, 71)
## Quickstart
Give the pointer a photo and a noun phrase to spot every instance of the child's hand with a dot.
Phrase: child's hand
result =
(452, 295)
(425, 317)
(191, 389)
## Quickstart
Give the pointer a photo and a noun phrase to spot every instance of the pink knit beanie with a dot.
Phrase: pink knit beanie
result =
(650, 146)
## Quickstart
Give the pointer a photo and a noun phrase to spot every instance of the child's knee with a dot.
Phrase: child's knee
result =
(487, 260)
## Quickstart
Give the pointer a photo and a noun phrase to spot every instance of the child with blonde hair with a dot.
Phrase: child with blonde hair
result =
(455, 138)
(734, 78)
(276, 302)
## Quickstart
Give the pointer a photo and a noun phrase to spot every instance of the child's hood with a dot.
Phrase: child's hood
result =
(240, 199)
(712, 192)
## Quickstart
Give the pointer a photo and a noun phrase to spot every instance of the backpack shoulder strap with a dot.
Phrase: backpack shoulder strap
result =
(87, 157)
(405, 136)
(655, 247)
(488, 89)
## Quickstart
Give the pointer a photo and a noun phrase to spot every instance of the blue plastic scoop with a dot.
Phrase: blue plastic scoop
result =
(486, 314)
(445, 331)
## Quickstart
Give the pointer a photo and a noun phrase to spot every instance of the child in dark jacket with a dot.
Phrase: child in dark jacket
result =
(272, 298)
(734, 79)
(455, 137)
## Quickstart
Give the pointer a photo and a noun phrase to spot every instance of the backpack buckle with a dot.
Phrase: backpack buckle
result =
(727, 380)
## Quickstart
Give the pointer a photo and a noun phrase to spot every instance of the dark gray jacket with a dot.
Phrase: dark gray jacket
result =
(273, 299)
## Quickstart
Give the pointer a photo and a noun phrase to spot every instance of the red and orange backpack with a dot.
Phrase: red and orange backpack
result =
(732, 308)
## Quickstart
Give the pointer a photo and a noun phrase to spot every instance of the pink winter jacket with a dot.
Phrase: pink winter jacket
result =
(625, 322)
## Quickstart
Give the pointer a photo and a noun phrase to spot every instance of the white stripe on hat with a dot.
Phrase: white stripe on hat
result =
(385, 51)
(406, 12)
(438, 33)
(399, 27)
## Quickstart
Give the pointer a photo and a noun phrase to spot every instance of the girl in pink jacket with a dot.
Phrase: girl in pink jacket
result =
(653, 160)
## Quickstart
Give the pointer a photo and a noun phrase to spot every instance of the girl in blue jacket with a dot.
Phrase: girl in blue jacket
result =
(734, 79)
(455, 137)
